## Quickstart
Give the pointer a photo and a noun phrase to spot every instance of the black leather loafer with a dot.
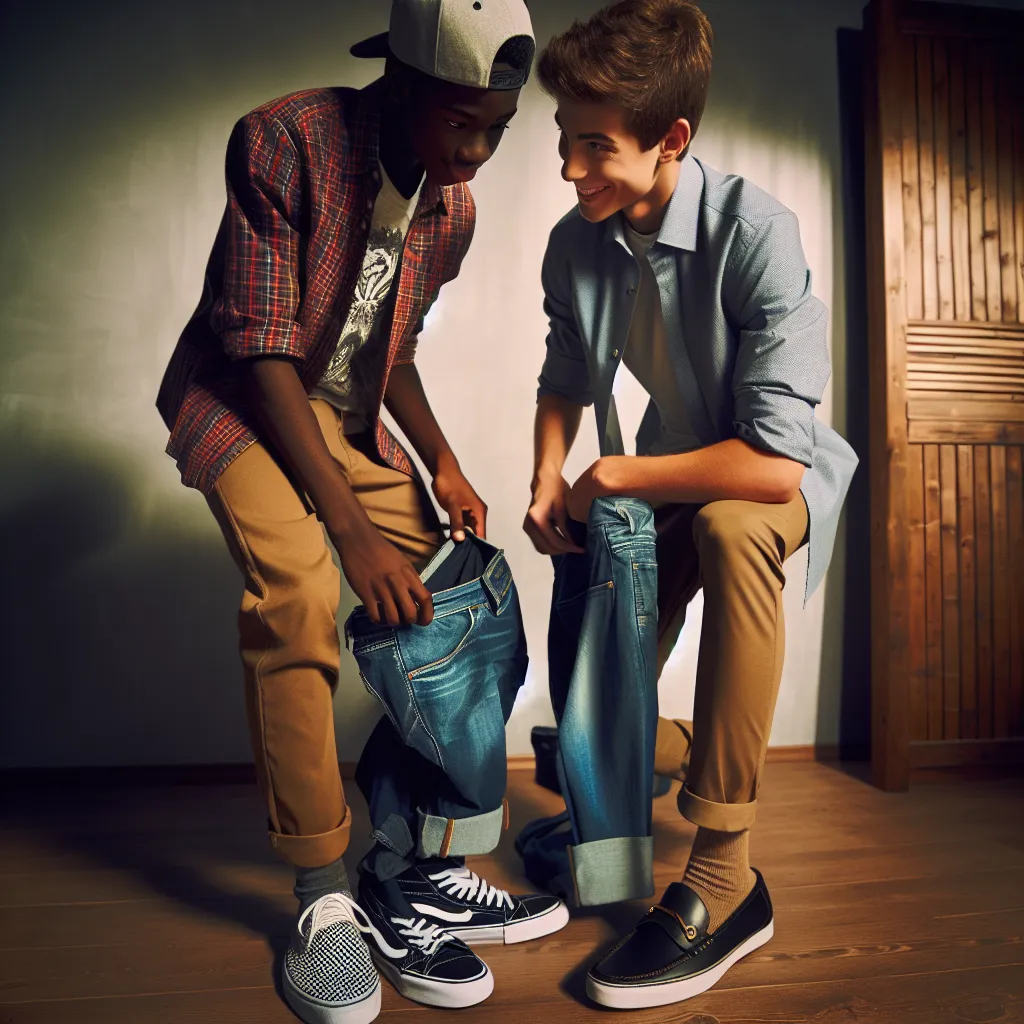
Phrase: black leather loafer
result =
(669, 955)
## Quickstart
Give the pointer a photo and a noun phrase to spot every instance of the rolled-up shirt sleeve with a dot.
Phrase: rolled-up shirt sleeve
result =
(257, 311)
(565, 372)
(782, 363)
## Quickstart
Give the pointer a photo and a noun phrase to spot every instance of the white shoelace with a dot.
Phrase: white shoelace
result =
(338, 907)
(421, 934)
(469, 885)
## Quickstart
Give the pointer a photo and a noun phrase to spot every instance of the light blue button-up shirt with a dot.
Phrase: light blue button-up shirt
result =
(745, 334)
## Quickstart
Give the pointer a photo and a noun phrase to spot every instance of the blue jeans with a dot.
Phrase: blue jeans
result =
(436, 760)
(602, 655)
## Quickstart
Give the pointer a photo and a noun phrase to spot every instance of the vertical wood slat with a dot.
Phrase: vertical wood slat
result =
(983, 590)
(933, 589)
(950, 595)
(961, 243)
(886, 52)
(926, 177)
(917, 584)
(990, 184)
(1000, 597)
(968, 583)
(1007, 245)
(911, 189)
(943, 186)
(1015, 518)
(975, 180)
(1017, 100)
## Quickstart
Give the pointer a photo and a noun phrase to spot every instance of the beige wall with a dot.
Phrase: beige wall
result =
(119, 598)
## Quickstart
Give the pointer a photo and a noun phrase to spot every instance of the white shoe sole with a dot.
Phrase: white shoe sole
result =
(312, 1011)
(635, 997)
(451, 995)
(553, 920)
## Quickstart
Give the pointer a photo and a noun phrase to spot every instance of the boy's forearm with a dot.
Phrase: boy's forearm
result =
(731, 469)
(281, 404)
(555, 427)
(406, 400)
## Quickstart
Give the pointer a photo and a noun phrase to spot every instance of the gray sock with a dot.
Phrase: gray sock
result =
(312, 883)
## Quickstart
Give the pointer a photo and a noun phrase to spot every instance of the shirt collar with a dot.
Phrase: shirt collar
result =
(432, 195)
(679, 227)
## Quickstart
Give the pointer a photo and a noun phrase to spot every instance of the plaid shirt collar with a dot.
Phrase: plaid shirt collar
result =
(432, 196)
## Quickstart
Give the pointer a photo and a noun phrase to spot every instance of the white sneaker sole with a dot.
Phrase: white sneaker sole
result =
(553, 920)
(450, 995)
(313, 1011)
(635, 997)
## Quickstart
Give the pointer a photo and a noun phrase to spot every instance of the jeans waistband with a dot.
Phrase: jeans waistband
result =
(490, 588)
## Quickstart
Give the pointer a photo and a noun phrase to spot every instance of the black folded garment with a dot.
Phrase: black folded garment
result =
(464, 562)
(545, 750)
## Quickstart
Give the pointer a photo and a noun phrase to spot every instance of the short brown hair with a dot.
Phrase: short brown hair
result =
(650, 57)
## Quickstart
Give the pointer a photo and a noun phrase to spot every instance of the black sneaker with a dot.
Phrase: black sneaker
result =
(327, 974)
(669, 956)
(421, 960)
(467, 907)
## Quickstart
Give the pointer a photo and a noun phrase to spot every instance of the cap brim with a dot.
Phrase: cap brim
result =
(375, 46)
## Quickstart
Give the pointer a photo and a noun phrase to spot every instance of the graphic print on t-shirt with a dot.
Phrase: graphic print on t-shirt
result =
(383, 252)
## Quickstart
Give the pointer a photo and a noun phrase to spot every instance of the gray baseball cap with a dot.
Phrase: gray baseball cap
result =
(458, 40)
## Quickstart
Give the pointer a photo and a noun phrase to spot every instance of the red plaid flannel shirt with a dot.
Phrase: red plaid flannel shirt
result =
(302, 179)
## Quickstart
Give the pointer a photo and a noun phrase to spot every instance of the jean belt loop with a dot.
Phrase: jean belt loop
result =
(496, 581)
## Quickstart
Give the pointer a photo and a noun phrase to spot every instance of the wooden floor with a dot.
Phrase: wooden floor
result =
(164, 906)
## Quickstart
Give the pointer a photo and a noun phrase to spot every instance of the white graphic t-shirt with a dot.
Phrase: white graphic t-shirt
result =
(392, 214)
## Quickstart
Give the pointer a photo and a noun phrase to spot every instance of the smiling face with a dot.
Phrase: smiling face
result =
(604, 160)
(455, 130)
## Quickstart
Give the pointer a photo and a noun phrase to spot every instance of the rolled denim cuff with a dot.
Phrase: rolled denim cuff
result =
(461, 837)
(609, 870)
(719, 817)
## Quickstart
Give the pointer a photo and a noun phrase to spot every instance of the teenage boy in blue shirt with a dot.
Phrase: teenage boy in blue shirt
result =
(697, 282)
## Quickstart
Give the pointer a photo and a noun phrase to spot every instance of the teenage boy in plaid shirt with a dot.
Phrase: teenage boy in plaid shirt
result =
(347, 211)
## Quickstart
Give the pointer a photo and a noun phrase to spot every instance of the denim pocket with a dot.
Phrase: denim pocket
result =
(439, 642)
(455, 674)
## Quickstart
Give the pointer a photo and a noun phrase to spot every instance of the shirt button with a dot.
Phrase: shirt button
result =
(364, 223)
(615, 353)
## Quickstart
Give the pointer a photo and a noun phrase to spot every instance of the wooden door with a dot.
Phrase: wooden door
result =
(945, 208)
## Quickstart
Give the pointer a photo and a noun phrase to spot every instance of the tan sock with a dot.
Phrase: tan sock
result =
(719, 872)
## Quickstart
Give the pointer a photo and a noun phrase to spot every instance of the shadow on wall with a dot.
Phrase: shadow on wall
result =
(121, 626)
(104, 613)
(112, 612)
(846, 679)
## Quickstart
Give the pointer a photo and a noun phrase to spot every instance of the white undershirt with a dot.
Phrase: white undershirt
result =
(647, 358)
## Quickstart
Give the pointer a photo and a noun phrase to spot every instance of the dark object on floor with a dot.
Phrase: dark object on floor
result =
(545, 749)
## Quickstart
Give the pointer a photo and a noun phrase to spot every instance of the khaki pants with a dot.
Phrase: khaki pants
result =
(287, 623)
(736, 551)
